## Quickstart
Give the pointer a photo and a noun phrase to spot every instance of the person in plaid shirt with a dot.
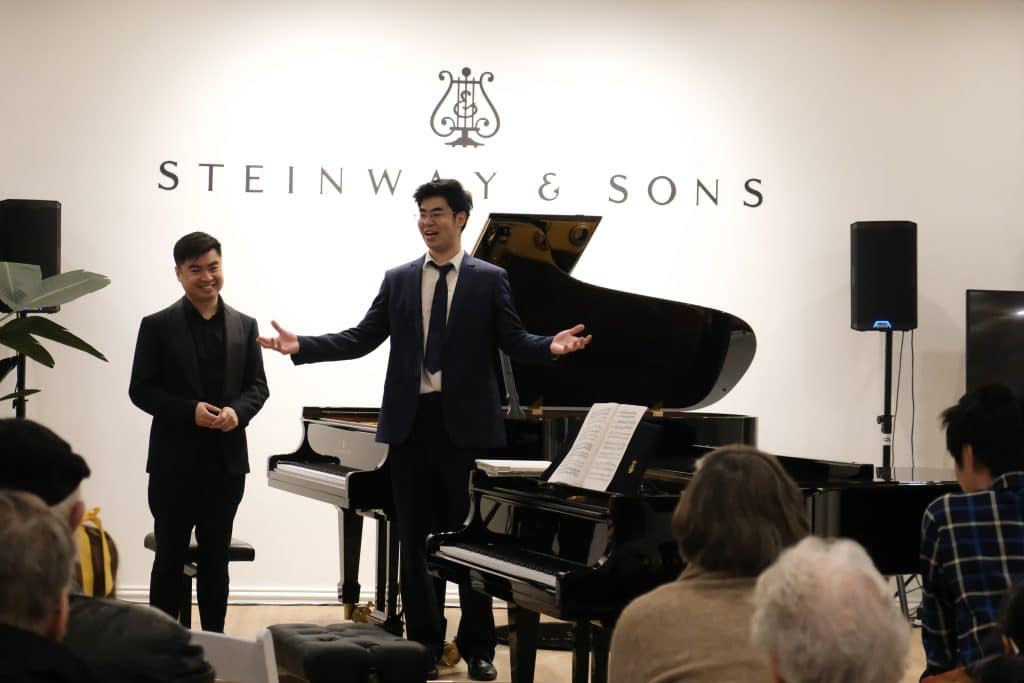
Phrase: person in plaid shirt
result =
(972, 543)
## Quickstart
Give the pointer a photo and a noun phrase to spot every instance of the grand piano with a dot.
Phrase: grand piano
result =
(580, 555)
(339, 463)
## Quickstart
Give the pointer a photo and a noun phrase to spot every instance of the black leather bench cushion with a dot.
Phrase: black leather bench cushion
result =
(348, 653)
(240, 551)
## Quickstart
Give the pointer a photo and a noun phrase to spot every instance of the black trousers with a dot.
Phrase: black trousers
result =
(430, 485)
(205, 500)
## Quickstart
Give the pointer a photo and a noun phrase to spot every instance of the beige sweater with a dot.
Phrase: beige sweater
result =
(696, 628)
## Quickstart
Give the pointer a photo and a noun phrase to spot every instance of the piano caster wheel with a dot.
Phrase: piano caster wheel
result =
(347, 609)
(361, 613)
(450, 656)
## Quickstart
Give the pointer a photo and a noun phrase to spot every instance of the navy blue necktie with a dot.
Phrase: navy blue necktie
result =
(438, 313)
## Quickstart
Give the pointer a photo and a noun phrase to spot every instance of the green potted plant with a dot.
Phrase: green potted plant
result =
(23, 290)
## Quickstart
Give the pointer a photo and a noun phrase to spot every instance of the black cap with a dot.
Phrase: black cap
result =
(34, 459)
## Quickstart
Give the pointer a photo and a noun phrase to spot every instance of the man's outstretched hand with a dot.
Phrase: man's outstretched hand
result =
(564, 342)
(285, 342)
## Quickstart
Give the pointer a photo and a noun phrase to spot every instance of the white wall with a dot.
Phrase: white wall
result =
(845, 111)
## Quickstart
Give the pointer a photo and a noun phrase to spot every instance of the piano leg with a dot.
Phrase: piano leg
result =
(580, 651)
(350, 532)
(523, 634)
(600, 640)
(383, 564)
(388, 555)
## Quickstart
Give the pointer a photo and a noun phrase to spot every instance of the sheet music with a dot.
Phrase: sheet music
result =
(618, 433)
(572, 469)
(595, 455)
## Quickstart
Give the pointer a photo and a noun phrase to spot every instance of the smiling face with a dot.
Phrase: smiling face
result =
(201, 278)
(441, 228)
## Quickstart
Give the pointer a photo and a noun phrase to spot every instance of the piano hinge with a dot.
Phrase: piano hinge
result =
(537, 410)
(658, 409)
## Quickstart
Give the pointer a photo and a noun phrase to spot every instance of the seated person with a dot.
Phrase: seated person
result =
(118, 641)
(824, 614)
(1007, 667)
(36, 552)
(739, 512)
(972, 543)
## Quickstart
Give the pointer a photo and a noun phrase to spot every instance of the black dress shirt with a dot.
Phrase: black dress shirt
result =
(211, 353)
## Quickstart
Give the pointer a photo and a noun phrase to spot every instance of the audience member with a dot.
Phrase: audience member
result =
(739, 512)
(36, 554)
(825, 615)
(118, 641)
(1007, 667)
(972, 543)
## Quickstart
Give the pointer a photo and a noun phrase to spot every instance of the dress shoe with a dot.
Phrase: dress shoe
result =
(481, 669)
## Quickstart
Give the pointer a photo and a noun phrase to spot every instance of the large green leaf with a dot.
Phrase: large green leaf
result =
(42, 326)
(15, 336)
(18, 283)
(19, 394)
(6, 365)
(60, 289)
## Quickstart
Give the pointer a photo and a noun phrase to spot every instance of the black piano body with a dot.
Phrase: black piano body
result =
(580, 555)
(340, 463)
(669, 356)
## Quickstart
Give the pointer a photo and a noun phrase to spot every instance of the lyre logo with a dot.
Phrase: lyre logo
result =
(465, 108)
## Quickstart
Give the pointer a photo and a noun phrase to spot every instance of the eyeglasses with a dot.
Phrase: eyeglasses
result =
(434, 215)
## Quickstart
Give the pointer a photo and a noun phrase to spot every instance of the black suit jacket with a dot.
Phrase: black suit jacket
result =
(166, 384)
(481, 319)
(122, 642)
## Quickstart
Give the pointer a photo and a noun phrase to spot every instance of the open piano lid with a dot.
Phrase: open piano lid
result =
(646, 351)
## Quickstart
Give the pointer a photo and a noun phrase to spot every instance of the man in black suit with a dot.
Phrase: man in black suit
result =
(199, 372)
(434, 434)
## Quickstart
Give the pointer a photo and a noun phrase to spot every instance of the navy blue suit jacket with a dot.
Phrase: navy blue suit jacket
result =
(481, 319)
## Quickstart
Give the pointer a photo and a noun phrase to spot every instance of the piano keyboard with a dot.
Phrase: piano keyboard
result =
(330, 474)
(510, 561)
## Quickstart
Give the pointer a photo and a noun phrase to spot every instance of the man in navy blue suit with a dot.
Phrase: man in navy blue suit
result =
(442, 404)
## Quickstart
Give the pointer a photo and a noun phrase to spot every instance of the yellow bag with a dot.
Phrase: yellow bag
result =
(97, 556)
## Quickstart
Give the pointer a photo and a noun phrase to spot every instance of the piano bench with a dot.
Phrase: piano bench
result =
(240, 551)
(348, 653)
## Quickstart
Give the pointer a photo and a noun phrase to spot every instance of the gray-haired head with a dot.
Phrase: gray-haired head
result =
(36, 555)
(825, 615)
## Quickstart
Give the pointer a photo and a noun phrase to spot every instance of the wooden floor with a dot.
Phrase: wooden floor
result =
(552, 667)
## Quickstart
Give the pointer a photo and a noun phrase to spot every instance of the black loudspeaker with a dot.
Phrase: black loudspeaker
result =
(30, 233)
(883, 275)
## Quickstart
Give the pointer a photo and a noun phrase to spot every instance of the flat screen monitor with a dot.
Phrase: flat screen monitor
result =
(995, 338)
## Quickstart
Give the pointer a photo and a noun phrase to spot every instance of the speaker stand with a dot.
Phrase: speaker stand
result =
(885, 419)
(19, 401)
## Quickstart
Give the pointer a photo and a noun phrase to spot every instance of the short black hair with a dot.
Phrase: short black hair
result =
(1011, 613)
(194, 245)
(990, 420)
(458, 198)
